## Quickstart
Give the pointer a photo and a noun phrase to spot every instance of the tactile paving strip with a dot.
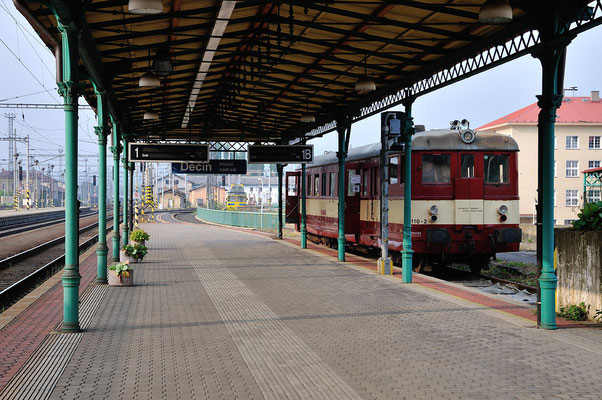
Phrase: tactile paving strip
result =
(37, 379)
(282, 364)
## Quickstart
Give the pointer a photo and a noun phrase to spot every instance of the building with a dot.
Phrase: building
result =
(198, 196)
(578, 147)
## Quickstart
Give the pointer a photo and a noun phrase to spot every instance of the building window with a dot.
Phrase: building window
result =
(569, 221)
(572, 169)
(594, 142)
(555, 169)
(572, 198)
(593, 196)
(572, 142)
(593, 164)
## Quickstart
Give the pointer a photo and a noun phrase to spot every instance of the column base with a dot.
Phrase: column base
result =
(407, 257)
(303, 239)
(341, 249)
(69, 328)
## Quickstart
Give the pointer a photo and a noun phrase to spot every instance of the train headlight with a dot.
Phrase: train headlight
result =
(434, 210)
(467, 136)
(503, 209)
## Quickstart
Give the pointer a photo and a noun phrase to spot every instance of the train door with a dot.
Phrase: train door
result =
(352, 202)
(468, 190)
(292, 196)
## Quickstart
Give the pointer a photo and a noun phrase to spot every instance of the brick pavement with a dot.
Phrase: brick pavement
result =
(223, 314)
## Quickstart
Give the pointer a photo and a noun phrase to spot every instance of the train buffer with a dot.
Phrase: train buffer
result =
(222, 313)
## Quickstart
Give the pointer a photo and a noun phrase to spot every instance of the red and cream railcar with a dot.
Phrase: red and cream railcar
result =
(464, 197)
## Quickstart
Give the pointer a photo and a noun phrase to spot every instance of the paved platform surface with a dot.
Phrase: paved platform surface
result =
(221, 314)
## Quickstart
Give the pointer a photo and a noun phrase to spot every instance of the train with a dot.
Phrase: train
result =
(465, 203)
(236, 198)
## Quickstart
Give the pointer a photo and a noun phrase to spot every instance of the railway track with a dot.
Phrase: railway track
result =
(22, 272)
(25, 222)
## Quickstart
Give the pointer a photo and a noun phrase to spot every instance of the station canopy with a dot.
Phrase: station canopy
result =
(251, 71)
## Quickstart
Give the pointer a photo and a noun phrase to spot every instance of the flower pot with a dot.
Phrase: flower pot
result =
(142, 242)
(124, 257)
(115, 280)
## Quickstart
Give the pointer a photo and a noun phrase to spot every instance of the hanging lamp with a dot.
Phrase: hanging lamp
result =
(307, 116)
(145, 6)
(149, 79)
(495, 12)
(365, 84)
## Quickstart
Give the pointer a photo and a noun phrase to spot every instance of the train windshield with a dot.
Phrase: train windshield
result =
(436, 168)
(467, 167)
(496, 168)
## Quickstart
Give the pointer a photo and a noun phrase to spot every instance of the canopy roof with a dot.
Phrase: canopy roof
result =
(246, 70)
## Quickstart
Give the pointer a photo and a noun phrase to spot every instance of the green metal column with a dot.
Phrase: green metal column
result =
(101, 131)
(116, 149)
(69, 88)
(279, 168)
(124, 230)
(552, 57)
(407, 252)
(303, 209)
(342, 154)
(131, 206)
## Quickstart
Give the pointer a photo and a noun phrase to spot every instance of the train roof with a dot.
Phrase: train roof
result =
(435, 139)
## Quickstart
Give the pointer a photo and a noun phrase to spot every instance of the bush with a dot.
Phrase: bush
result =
(574, 312)
(137, 251)
(122, 269)
(590, 217)
(139, 235)
(598, 315)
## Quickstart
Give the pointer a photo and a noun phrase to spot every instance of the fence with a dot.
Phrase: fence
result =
(239, 218)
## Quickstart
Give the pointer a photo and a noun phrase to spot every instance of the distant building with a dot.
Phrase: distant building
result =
(578, 147)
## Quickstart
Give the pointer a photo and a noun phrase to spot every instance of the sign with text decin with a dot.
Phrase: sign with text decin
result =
(216, 167)
(281, 154)
(168, 152)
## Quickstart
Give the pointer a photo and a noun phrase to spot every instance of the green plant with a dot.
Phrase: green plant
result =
(574, 312)
(137, 251)
(590, 217)
(598, 315)
(139, 235)
(122, 269)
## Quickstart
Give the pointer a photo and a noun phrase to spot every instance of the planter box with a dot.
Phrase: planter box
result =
(115, 281)
(579, 268)
(123, 258)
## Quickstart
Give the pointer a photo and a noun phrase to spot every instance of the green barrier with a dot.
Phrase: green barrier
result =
(239, 218)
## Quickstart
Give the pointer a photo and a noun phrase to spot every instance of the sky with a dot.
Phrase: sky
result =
(28, 77)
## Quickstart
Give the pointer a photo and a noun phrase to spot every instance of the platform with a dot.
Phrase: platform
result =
(24, 211)
(221, 313)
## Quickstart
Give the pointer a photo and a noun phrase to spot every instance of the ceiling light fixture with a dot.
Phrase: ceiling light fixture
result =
(162, 63)
(495, 12)
(151, 116)
(145, 6)
(149, 79)
(365, 84)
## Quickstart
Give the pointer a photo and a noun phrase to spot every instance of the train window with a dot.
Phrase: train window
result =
(436, 168)
(467, 166)
(496, 168)
(332, 181)
(324, 176)
(365, 177)
(393, 170)
(292, 185)
(317, 185)
(309, 185)
(375, 182)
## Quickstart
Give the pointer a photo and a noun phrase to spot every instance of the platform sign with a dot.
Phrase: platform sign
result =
(281, 154)
(168, 152)
(215, 167)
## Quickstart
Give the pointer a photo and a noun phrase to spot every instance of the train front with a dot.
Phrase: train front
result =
(465, 195)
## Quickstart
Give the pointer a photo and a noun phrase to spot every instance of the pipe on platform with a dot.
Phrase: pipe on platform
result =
(116, 149)
(102, 249)
(407, 252)
(303, 208)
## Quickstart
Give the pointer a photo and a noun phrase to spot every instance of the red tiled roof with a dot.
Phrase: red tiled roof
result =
(573, 110)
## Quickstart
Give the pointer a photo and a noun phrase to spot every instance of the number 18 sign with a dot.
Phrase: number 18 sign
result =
(281, 154)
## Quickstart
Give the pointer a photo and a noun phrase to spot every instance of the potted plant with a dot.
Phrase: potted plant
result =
(121, 275)
(139, 237)
(133, 252)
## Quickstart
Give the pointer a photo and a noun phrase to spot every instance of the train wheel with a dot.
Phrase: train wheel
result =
(477, 263)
